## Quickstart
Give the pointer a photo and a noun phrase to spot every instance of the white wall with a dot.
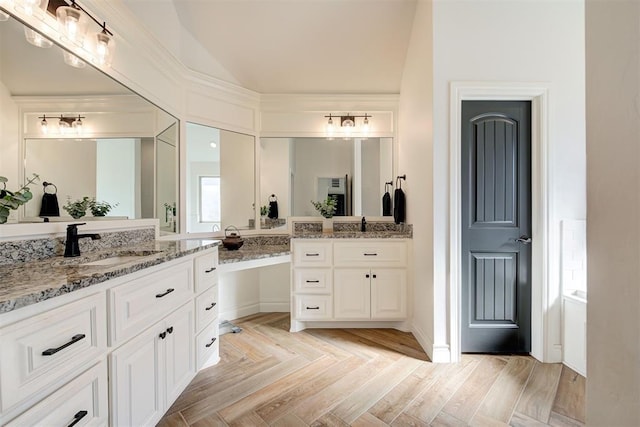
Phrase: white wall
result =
(118, 175)
(415, 158)
(613, 230)
(519, 41)
(274, 173)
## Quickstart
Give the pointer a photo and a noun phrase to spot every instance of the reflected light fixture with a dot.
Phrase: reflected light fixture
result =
(72, 22)
(348, 125)
(213, 144)
(74, 61)
(67, 125)
(36, 39)
(3, 16)
(30, 6)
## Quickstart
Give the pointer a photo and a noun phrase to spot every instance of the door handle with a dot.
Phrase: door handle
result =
(524, 240)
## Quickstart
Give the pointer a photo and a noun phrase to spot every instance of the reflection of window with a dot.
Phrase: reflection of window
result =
(209, 199)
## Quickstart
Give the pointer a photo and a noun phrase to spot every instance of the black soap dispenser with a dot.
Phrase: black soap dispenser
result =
(363, 225)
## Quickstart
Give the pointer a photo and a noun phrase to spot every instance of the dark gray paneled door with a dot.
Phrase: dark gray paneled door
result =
(496, 227)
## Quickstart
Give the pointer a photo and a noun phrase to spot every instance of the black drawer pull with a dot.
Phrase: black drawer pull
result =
(313, 308)
(314, 254)
(170, 329)
(210, 270)
(77, 417)
(74, 339)
(367, 276)
(163, 335)
(213, 304)
(166, 293)
(370, 254)
(313, 281)
(211, 343)
(374, 276)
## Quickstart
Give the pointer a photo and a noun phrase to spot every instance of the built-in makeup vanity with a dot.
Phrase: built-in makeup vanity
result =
(110, 337)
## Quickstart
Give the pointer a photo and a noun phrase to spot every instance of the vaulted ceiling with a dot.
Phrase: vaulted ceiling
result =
(287, 46)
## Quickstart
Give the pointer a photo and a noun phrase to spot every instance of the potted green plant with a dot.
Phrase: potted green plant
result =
(12, 200)
(100, 208)
(326, 208)
(77, 208)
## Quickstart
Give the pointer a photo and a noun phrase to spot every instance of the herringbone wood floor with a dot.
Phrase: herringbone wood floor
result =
(368, 377)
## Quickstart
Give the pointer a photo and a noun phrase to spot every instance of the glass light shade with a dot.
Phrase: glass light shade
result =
(31, 6)
(72, 23)
(44, 126)
(74, 61)
(365, 126)
(77, 125)
(331, 128)
(63, 127)
(347, 128)
(37, 39)
(105, 45)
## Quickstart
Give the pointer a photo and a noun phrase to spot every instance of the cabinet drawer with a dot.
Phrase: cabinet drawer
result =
(312, 254)
(138, 304)
(84, 400)
(359, 254)
(313, 307)
(206, 307)
(312, 280)
(206, 267)
(207, 343)
(50, 347)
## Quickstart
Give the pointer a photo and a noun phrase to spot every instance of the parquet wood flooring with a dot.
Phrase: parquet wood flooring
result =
(368, 377)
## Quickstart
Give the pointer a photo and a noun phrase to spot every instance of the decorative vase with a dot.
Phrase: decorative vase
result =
(327, 225)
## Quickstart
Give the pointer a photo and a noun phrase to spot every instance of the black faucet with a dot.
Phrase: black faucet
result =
(71, 247)
(363, 225)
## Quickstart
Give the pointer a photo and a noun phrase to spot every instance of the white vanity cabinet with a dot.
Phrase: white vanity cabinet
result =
(341, 280)
(118, 353)
(150, 371)
(370, 280)
(206, 303)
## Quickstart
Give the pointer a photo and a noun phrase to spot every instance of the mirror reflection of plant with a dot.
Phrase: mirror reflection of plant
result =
(77, 208)
(327, 208)
(264, 210)
(12, 200)
(100, 208)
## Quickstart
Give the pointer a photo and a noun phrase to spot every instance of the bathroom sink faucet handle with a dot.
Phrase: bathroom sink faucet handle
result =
(71, 246)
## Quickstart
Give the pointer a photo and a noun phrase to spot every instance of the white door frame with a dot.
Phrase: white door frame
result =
(540, 204)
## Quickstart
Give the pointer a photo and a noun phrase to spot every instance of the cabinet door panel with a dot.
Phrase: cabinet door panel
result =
(352, 293)
(179, 348)
(388, 294)
(136, 380)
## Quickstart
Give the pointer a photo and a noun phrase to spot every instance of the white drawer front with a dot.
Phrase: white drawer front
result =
(84, 400)
(312, 280)
(50, 346)
(206, 307)
(138, 304)
(206, 270)
(374, 252)
(207, 343)
(312, 254)
(313, 307)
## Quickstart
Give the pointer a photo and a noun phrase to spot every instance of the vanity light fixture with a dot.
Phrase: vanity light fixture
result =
(74, 61)
(348, 125)
(66, 124)
(73, 21)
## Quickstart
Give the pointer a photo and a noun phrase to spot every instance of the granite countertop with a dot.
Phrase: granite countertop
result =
(251, 252)
(353, 235)
(26, 283)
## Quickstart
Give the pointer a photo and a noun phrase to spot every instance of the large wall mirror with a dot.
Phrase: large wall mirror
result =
(126, 154)
(220, 174)
(298, 170)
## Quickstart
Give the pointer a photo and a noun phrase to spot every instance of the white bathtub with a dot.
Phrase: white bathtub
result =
(574, 328)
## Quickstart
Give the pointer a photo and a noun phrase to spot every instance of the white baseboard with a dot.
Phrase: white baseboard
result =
(238, 312)
(437, 353)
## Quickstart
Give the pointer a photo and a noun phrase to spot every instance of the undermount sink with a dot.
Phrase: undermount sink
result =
(118, 259)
